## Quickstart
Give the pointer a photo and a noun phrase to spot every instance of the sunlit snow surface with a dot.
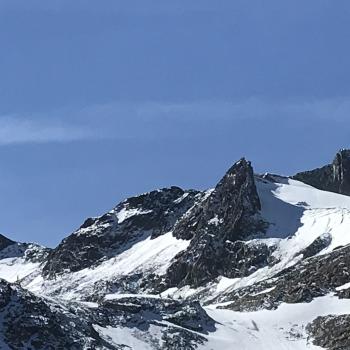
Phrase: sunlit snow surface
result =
(149, 255)
(281, 329)
(14, 269)
(298, 214)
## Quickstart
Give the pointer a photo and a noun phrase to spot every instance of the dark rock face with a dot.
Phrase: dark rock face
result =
(343, 293)
(334, 177)
(31, 323)
(317, 246)
(151, 214)
(229, 207)
(228, 214)
(341, 170)
(330, 332)
(230, 259)
(5, 242)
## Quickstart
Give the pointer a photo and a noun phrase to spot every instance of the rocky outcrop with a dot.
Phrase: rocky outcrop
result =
(330, 332)
(30, 252)
(182, 325)
(311, 278)
(230, 207)
(333, 177)
(229, 213)
(151, 214)
(317, 246)
(133, 311)
(343, 293)
(31, 322)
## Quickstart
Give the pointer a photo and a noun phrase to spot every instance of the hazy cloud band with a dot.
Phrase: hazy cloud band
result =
(143, 120)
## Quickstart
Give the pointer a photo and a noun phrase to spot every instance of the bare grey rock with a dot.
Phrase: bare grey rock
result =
(330, 332)
(333, 177)
(230, 213)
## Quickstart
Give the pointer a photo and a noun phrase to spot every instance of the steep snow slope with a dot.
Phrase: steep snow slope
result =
(285, 201)
(147, 256)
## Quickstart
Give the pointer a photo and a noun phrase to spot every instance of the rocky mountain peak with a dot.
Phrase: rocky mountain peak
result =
(229, 213)
(240, 175)
(234, 198)
(148, 215)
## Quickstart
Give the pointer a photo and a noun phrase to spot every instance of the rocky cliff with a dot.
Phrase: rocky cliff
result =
(334, 177)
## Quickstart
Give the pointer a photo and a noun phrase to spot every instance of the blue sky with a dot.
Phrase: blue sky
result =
(100, 100)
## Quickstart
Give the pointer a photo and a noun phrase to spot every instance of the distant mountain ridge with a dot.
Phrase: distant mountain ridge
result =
(334, 177)
(259, 261)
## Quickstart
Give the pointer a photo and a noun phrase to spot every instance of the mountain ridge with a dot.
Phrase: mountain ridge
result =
(188, 269)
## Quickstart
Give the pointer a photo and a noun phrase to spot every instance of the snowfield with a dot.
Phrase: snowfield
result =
(281, 329)
(149, 255)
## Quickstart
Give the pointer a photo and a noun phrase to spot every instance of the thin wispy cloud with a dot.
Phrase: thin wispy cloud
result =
(16, 130)
(124, 120)
(251, 108)
(120, 113)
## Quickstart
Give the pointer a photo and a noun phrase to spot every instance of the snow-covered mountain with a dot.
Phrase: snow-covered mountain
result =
(258, 262)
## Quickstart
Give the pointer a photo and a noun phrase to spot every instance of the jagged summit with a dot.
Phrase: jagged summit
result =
(228, 214)
(131, 221)
(226, 206)
(229, 211)
(334, 177)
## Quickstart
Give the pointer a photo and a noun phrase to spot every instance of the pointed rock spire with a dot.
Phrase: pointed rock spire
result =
(228, 214)
(233, 199)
